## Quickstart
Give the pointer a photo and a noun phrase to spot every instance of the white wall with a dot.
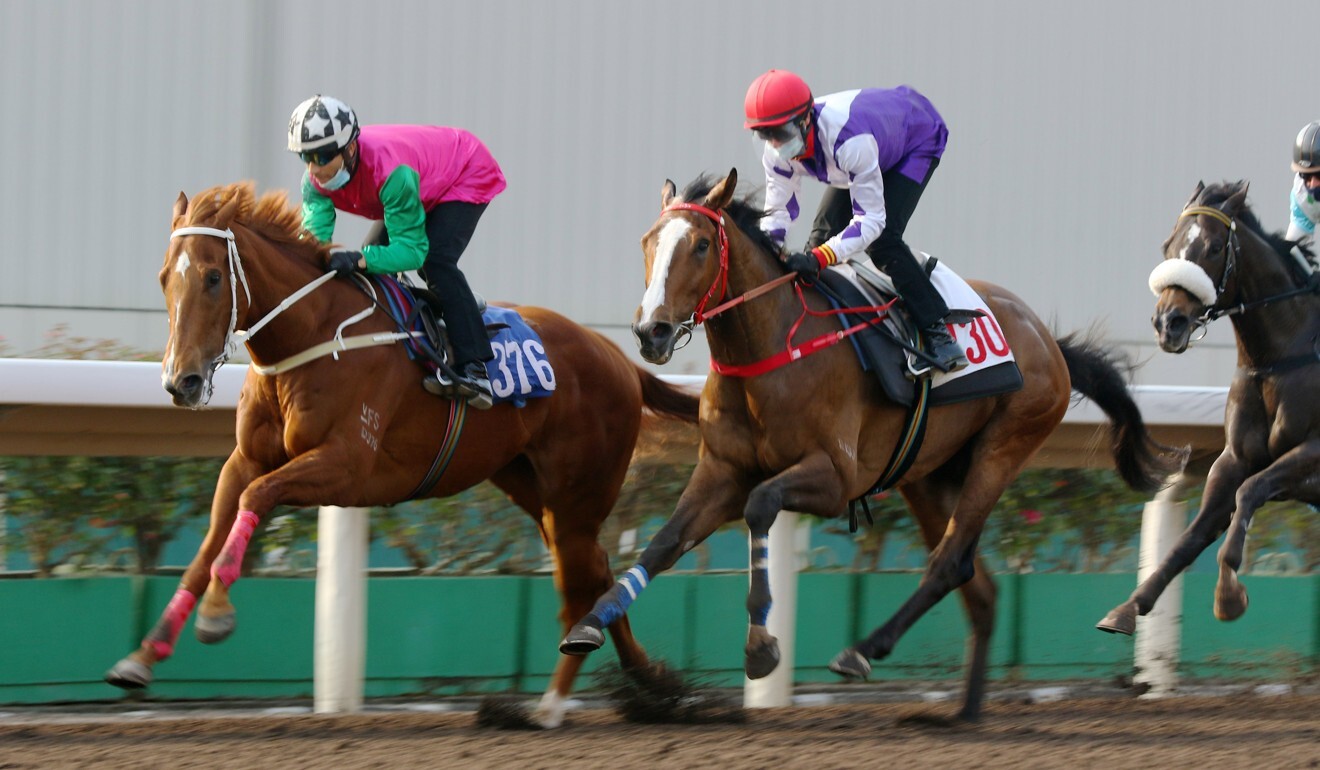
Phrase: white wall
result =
(1077, 132)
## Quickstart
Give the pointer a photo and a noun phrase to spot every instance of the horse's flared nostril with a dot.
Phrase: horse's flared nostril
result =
(185, 387)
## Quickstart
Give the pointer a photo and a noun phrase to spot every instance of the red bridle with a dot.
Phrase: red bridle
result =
(721, 281)
(791, 352)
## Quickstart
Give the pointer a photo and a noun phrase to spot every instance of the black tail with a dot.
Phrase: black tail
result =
(668, 400)
(1101, 375)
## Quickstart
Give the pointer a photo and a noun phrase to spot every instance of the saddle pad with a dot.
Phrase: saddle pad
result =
(991, 368)
(520, 369)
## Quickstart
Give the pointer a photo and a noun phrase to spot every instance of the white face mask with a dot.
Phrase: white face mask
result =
(338, 180)
(1306, 200)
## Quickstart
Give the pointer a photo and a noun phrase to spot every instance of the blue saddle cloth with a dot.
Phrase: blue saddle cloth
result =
(519, 370)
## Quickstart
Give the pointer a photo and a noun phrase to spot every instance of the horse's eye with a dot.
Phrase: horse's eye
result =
(703, 246)
(212, 279)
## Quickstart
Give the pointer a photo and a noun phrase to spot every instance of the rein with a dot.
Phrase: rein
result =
(233, 335)
(790, 352)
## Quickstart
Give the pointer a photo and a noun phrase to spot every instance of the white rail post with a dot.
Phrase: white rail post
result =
(340, 646)
(776, 690)
(1159, 632)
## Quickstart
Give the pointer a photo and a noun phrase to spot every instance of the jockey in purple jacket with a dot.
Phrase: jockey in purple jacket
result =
(425, 187)
(875, 149)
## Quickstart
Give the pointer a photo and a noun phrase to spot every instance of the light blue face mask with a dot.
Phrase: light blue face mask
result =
(790, 149)
(338, 180)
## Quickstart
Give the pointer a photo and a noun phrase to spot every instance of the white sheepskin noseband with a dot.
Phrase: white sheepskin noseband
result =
(1186, 275)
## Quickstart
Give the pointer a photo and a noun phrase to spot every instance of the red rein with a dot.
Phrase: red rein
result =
(790, 352)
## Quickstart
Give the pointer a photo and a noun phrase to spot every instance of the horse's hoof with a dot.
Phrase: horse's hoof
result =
(129, 674)
(581, 640)
(213, 629)
(760, 661)
(1120, 620)
(851, 664)
(1231, 605)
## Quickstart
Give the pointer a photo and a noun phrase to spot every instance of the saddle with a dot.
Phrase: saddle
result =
(415, 309)
(889, 350)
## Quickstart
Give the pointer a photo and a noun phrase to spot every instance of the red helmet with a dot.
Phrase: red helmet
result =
(775, 98)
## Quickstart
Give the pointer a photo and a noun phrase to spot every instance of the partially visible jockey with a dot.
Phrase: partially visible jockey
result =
(876, 149)
(1305, 201)
(425, 187)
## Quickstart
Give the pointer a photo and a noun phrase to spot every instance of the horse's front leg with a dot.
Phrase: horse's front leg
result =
(811, 486)
(712, 497)
(1217, 503)
(1291, 477)
(321, 476)
(135, 670)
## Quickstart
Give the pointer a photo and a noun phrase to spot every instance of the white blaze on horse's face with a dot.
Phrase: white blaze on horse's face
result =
(671, 235)
(181, 266)
(1193, 234)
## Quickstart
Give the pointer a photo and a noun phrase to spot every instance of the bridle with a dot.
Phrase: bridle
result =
(234, 335)
(790, 352)
(1233, 250)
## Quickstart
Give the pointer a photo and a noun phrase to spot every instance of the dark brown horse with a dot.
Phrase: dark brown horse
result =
(1218, 261)
(361, 431)
(814, 434)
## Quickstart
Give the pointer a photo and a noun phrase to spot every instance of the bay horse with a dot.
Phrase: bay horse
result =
(816, 433)
(361, 430)
(1218, 261)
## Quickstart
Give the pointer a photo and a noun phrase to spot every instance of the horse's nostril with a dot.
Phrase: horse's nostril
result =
(660, 331)
(1177, 325)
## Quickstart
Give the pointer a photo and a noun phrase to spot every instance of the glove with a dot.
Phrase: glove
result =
(343, 262)
(804, 264)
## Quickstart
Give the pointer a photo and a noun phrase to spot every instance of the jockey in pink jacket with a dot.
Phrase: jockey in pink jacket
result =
(426, 187)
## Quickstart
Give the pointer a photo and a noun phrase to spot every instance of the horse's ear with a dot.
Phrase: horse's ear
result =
(1238, 200)
(227, 213)
(1200, 187)
(722, 194)
(667, 194)
(180, 205)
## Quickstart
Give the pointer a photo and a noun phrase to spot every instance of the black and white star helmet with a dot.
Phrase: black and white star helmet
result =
(321, 122)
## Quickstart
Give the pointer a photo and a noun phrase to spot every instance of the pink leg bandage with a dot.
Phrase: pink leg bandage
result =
(166, 632)
(227, 567)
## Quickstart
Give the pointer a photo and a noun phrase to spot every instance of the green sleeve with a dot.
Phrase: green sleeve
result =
(405, 221)
(318, 212)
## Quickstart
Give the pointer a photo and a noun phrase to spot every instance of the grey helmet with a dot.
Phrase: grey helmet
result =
(1306, 152)
(322, 122)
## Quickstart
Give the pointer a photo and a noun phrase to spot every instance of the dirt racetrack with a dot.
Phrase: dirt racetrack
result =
(1187, 732)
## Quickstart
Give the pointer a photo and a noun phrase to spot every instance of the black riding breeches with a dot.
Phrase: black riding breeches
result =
(449, 227)
(889, 252)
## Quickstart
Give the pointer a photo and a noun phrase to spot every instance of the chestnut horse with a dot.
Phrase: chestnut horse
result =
(1219, 262)
(814, 434)
(361, 431)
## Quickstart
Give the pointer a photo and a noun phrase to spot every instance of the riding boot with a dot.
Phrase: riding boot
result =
(472, 385)
(940, 345)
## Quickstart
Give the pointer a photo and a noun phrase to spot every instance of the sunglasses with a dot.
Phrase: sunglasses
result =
(781, 133)
(319, 157)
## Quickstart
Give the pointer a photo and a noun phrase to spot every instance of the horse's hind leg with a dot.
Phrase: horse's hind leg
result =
(570, 529)
(135, 670)
(1216, 507)
(932, 503)
(1291, 477)
(996, 461)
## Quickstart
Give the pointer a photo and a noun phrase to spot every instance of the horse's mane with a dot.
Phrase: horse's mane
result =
(1215, 194)
(744, 213)
(271, 215)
